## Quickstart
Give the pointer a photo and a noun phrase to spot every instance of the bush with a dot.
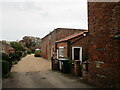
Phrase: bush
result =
(17, 46)
(24, 54)
(33, 51)
(4, 56)
(29, 51)
(14, 62)
(19, 53)
(14, 56)
(5, 68)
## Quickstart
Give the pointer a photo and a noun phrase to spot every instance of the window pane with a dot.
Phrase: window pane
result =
(61, 52)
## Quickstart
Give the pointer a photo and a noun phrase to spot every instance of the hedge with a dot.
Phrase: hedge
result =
(29, 51)
(5, 68)
(4, 56)
(14, 56)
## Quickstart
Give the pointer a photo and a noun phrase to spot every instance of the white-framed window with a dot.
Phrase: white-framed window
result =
(61, 51)
(77, 53)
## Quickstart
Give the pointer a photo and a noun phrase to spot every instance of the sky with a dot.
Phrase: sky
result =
(19, 18)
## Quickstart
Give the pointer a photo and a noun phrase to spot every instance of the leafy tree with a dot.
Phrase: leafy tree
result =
(17, 46)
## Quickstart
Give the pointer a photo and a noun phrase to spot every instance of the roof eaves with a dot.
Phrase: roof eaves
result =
(79, 34)
(48, 34)
(62, 41)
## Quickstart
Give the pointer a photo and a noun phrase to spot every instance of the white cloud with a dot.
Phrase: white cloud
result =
(39, 17)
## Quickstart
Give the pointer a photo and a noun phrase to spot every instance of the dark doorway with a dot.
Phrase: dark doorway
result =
(76, 53)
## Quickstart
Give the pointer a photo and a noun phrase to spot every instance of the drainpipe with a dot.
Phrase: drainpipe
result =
(68, 49)
(55, 50)
(55, 47)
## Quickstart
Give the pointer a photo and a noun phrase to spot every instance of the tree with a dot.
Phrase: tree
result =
(17, 46)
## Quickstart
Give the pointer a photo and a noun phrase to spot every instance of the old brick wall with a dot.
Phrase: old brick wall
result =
(81, 41)
(49, 40)
(44, 47)
(65, 45)
(104, 51)
(46, 44)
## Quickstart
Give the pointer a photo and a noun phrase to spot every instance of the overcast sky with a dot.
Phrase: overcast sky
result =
(38, 17)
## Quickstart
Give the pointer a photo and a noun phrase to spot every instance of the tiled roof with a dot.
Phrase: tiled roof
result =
(60, 29)
(71, 36)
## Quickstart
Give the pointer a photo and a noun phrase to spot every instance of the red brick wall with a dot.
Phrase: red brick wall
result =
(103, 19)
(63, 44)
(57, 34)
(79, 41)
(82, 41)
(46, 45)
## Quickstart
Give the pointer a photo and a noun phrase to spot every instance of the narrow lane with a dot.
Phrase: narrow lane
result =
(32, 72)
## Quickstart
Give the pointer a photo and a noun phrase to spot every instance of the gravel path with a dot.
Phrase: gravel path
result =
(33, 72)
(32, 64)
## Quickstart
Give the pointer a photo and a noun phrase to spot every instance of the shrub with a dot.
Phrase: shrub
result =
(19, 53)
(4, 56)
(17, 46)
(33, 51)
(5, 68)
(14, 56)
(24, 54)
(14, 62)
(29, 51)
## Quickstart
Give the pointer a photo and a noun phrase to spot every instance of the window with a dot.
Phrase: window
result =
(61, 51)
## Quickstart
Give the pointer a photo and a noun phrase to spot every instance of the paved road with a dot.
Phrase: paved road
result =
(32, 72)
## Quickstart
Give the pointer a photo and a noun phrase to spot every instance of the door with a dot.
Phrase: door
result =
(77, 53)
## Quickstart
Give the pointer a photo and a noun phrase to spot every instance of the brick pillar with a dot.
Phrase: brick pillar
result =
(77, 68)
(55, 64)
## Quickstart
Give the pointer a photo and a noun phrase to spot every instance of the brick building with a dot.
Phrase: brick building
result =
(74, 47)
(48, 42)
(5, 47)
(104, 40)
(72, 42)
